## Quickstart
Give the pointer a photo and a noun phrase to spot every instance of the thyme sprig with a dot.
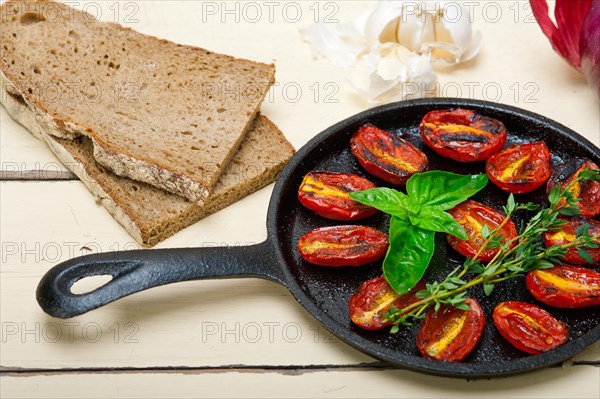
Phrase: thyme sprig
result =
(515, 258)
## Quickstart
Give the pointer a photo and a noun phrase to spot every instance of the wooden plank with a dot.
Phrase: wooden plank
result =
(207, 323)
(312, 94)
(36, 175)
(306, 86)
(318, 92)
(244, 322)
(192, 324)
(573, 382)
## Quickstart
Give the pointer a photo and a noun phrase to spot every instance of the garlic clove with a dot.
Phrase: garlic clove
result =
(382, 22)
(454, 28)
(388, 35)
(413, 30)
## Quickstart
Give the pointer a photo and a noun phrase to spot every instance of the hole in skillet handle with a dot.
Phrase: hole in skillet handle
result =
(57, 291)
(90, 284)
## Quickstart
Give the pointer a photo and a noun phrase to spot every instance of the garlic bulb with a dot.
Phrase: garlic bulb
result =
(399, 41)
(440, 28)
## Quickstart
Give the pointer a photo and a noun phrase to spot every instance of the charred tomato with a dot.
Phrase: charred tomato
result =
(472, 216)
(565, 286)
(374, 298)
(567, 233)
(462, 135)
(326, 194)
(343, 245)
(386, 155)
(450, 334)
(528, 327)
(520, 168)
(588, 191)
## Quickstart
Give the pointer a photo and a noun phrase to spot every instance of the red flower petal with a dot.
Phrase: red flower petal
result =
(570, 15)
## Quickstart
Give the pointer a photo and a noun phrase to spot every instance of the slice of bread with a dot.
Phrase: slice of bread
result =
(159, 112)
(149, 214)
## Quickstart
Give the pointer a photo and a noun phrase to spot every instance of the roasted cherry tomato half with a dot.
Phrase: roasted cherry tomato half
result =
(462, 134)
(373, 300)
(588, 191)
(326, 194)
(472, 216)
(567, 233)
(451, 334)
(386, 155)
(528, 327)
(565, 286)
(520, 168)
(343, 245)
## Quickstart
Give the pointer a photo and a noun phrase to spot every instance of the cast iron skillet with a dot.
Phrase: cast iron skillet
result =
(324, 292)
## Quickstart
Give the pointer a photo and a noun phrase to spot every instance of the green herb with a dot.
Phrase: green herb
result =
(516, 257)
(416, 217)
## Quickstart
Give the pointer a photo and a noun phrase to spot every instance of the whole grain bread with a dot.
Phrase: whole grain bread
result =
(158, 112)
(150, 214)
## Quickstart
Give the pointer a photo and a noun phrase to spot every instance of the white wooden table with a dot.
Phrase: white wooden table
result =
(243, 338)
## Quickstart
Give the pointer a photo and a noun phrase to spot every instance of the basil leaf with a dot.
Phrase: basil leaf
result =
(385, 199)
(443, 189)
(408, 256)
(433, 219)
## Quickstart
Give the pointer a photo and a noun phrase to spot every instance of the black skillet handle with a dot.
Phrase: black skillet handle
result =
(134, 271)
